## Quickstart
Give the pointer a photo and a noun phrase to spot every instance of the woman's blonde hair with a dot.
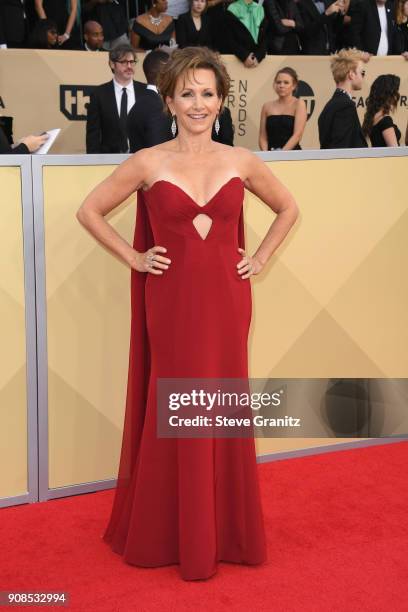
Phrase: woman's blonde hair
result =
(192, 58)
(344, 61)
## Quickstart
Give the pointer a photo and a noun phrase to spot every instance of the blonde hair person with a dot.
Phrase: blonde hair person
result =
(339, 125)
(195, 500)
(346, 62)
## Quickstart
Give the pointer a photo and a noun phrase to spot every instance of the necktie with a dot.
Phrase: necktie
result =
(123, 118)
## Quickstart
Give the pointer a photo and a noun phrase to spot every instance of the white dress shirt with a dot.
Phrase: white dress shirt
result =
(130, 90)
(383, 46)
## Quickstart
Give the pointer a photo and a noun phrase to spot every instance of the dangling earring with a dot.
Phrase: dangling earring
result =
(217, 125)
(174, 126)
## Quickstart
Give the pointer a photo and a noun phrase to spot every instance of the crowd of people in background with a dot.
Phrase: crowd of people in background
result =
(349, 30)
(247, 29)
(116, 124)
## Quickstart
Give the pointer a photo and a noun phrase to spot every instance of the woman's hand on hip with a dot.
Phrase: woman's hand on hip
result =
(248, 265)
(151, 261)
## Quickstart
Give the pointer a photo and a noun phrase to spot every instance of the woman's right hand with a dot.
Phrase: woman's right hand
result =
(151, 261)
(333, 8)
(250, 61)
(33, 143)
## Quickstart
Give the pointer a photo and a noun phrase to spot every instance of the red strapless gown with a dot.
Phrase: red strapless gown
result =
(191, 502)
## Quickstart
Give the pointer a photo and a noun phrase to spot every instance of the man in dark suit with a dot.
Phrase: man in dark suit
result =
(373, 27)
(238, 39)
(339, 125)
(110, 104)
(148, 124)
(321, 21)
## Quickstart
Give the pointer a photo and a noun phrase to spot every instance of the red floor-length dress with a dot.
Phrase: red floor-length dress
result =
(191, 502)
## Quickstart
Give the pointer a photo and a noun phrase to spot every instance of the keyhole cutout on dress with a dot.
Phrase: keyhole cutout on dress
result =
(203, 224)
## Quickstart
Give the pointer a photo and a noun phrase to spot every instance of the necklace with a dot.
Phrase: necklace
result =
(155, 20)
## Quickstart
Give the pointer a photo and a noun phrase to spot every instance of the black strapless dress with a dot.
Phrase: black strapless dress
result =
(279, 129)
(376, 134)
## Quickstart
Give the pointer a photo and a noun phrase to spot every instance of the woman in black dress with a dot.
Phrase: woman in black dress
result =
(193, 27)
(64, 17)
(283, 120)
(154, 28)
(284, 25)
(381, 103)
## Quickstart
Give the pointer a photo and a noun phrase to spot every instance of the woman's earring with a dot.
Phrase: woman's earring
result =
(174, 126)
(217, 126)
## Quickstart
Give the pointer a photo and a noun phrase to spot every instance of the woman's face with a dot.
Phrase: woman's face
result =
(161, 6)
(284, 85)
(195, 102)
(52, 36)
(198, 6)
(405, 9)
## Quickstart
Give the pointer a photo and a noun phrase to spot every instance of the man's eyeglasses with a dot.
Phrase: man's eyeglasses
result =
(123, 62)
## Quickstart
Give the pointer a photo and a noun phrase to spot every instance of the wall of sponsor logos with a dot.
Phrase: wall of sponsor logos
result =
(48, 89)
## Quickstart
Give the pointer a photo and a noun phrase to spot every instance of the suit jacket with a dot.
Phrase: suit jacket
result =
(188, 36)
(6, 149)
(226, 133)
(148, 124)
(240, 41)
(12, 22)
(339, 125)
(319, 31)
(103, 131)
(366, 28)
(280, 39)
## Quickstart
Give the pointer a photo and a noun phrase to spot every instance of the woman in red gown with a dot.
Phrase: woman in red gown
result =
(188, 501)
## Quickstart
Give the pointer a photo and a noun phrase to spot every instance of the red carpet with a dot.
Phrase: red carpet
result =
(337, 541)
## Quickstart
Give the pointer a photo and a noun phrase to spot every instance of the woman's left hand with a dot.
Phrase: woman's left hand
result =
(63, 38)
(248, 265)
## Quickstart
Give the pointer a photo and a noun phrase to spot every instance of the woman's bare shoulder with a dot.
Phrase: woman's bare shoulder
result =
(143, 19)
(147, 161)
(245, 161)
(268, 106)
(243, 155)
(300, 104)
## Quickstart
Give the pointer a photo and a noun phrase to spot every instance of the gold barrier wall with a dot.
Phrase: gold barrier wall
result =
(330, 304)
(13, 396)
(55, 92)
(88, 324)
